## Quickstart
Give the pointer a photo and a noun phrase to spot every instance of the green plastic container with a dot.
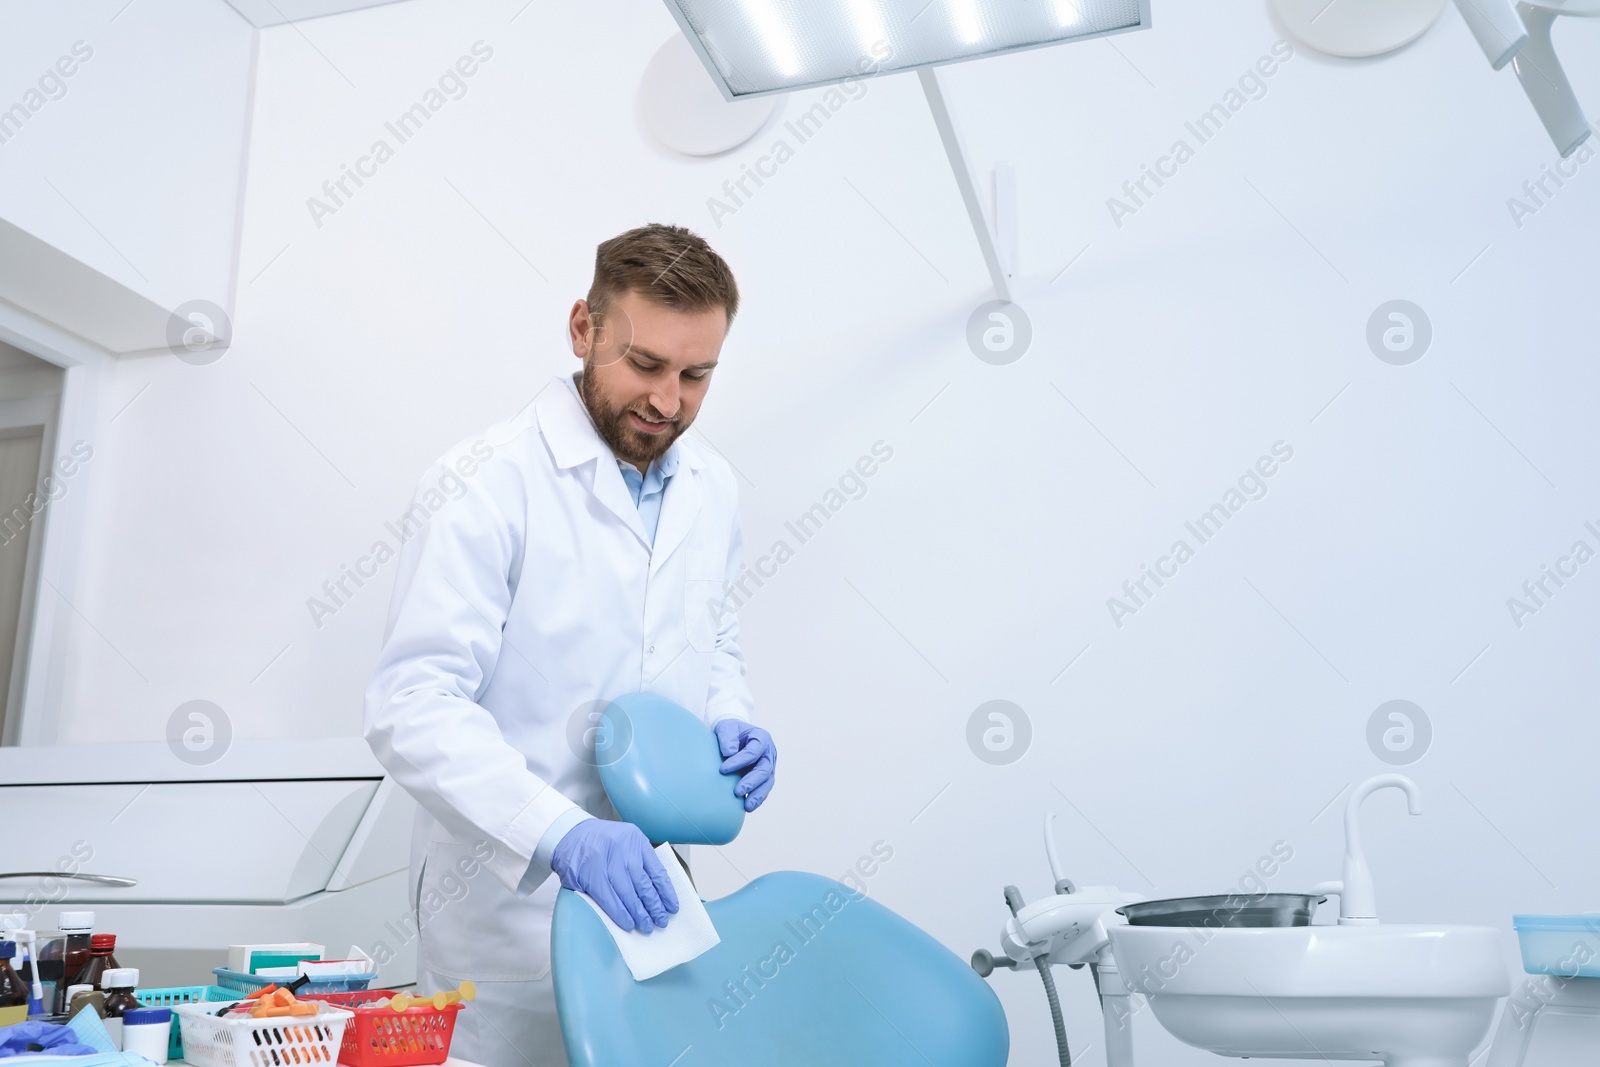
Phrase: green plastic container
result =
(172, 996)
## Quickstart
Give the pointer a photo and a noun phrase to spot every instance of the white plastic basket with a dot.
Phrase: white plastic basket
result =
(241, 1040)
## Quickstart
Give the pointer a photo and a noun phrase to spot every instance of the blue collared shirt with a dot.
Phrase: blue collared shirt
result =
(647, 489)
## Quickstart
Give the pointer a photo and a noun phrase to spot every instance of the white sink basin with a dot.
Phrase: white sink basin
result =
(1410, 996)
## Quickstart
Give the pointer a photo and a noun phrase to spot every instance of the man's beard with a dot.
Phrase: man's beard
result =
(630, 445)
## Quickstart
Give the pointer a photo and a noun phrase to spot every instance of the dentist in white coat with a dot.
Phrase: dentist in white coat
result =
(585, 558)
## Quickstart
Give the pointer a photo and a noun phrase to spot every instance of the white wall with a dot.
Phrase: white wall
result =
(1223, 317)
(131, 162)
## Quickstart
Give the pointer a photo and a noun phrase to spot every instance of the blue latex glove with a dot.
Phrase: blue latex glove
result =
(56, 1040)
(614, 864)
(749, 749)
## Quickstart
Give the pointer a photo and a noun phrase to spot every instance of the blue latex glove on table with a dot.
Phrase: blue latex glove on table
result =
(53, 1039)
(614, 865)
(748, 749)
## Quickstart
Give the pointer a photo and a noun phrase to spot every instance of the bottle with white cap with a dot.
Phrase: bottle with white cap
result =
(63, 957)
(119, 984)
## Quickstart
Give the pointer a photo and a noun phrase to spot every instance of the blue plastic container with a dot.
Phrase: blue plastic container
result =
(1564, 945)
(172, 996)
(245, 985)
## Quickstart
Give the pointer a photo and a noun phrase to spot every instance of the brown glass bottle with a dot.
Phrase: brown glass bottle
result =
(119, 984)
(101, 960)
(74, 953)
(13, 993)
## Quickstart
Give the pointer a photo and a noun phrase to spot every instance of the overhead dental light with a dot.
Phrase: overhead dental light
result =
(774, 46)
(754, 48)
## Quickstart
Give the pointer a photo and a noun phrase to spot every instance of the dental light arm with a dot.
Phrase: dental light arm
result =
(1545, 82)
(1497, 27)
(1357, 901)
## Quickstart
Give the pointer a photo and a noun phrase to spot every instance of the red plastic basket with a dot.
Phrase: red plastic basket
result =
(383, 1037)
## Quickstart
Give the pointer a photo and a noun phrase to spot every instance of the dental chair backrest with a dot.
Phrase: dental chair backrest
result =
(808, 971)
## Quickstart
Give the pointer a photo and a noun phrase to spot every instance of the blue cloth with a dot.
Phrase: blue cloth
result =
(648, 488)
(91, 1030)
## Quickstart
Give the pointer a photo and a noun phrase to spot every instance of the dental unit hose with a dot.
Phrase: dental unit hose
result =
(1014, 902)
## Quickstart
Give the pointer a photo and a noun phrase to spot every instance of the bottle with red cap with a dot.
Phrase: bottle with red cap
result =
(101, 960)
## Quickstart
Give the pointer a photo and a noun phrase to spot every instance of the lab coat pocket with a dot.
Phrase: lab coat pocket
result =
(474, 927)
(702, 598)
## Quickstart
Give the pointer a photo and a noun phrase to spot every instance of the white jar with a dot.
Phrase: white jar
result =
(145, 1032)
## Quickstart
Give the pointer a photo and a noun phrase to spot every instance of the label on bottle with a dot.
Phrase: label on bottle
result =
(18, 1014)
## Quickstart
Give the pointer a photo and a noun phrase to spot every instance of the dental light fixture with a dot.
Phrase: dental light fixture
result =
(752, 47)
(1508, 31)
(758, 47)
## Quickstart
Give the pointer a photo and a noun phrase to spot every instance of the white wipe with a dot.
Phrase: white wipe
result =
(687, 934)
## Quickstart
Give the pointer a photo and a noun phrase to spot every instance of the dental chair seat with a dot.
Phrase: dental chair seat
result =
(809, 973)
(867, 988)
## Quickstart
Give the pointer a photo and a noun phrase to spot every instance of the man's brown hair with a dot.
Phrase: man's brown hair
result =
(668, 264)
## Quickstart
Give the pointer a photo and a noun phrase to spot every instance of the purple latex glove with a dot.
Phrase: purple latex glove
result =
(614, 864)
(749, 749)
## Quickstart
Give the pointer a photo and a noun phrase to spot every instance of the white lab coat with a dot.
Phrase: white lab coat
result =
(524, 599)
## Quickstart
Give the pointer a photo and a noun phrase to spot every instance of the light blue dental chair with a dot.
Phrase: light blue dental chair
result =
(809, 973)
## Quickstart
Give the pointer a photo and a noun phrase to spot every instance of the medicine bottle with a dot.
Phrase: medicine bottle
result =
(13, 993)
(101, 960)
(83, 996)
(119, 984)
(63, 957)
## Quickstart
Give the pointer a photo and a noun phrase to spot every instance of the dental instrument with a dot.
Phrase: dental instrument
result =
(1071, 929)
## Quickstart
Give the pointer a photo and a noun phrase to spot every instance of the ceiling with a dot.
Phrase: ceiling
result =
(263, 13)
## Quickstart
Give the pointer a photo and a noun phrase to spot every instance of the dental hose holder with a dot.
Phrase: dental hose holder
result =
(1357, 901)
(1069, 929)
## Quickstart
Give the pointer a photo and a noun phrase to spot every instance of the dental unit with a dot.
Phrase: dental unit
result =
(1249, 976)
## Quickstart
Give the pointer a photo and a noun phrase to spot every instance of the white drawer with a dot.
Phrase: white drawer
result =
(222, 842)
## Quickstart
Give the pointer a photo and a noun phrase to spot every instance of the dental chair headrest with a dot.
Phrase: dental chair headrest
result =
(659, 765)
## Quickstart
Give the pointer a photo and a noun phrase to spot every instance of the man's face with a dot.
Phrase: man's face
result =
(646, 370)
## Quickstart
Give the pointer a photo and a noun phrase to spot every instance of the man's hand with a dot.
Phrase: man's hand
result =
(750, 749)
(614, 864)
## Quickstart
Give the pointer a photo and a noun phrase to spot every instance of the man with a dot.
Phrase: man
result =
(583, 559)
